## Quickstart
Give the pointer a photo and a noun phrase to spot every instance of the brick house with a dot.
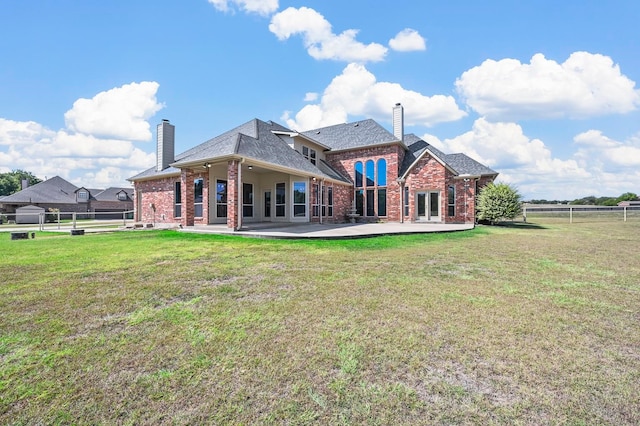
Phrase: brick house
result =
(57, 193)
(263, 172)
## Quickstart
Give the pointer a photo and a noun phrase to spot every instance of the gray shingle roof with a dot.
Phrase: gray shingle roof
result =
(52, 191)
(460, 163)
(253, 139)
(111, 194)
(352, 135)
(466, 165)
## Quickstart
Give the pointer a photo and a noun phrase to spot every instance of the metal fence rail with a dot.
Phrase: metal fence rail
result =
(66, 220)
(573, 213)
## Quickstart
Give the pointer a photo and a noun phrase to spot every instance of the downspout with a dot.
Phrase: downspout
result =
(239, 194)
(321, 195)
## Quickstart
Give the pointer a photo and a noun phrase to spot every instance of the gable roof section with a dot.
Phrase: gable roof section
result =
(255, 140)
(53, 191)
(459, 164)
(466, 165)
(346, 136)
(111, 194)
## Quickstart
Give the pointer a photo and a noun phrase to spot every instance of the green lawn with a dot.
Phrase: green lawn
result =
(499, 325)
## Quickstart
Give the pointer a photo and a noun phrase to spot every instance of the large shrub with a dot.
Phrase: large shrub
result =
(498, 202)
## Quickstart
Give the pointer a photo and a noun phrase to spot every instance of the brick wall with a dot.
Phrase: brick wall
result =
(156, 204)
(344, 162)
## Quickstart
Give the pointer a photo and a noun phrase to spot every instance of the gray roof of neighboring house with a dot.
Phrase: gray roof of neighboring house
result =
(111, 194)
(59, 191)
(253, 139)
(460, 163)
(53, 191)
(352, 135)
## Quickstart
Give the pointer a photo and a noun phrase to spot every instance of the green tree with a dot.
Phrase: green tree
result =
(498, 202)
(627, 196)
(11, 182)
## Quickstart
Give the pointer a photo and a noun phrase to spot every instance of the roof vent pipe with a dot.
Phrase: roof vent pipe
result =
(165, 145)
(398, 122)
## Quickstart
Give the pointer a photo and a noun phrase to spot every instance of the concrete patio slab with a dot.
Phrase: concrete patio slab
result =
(327, 231)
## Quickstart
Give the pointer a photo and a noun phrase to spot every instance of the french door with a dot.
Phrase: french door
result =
(428, 206)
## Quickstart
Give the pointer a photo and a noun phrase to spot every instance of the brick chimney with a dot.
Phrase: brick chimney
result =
(398, 122)
(166, 145)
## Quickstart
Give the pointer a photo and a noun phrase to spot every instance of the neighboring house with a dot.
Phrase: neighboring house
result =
(263, 172)
(57, 193)
(632, 203)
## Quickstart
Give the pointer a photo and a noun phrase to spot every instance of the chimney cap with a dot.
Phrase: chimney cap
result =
(397, 103)
(164, 120)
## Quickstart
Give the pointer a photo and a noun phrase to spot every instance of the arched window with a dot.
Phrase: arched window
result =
(371, 201)
(359, 171)
(382, 172)
(370, 169)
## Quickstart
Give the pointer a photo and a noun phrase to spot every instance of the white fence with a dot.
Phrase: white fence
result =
(582, 213)
(65, 220)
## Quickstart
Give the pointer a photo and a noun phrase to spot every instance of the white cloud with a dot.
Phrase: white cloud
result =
(310, 97)
(585, 85)
(261, 7)
(356, 92)
(408, 40)
(107, 157)
(120, 113)
(526, 163)
(319, 39)
(609, 154)
(22, 132)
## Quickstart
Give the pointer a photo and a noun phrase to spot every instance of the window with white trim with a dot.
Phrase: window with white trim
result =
(299, 199)
(451, 201)
(198, 187)
(177, 200)
(309, 154)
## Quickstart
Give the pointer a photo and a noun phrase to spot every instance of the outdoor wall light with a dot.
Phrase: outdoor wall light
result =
(207, 165)
(250, 167)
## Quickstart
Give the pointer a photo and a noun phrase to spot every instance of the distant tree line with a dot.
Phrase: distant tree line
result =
(592, 200)
(11, 182)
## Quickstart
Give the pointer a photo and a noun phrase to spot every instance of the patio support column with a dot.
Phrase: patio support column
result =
(188, 208)
(232, 194)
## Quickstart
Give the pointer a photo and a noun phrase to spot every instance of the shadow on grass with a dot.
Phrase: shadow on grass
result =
(515, 224)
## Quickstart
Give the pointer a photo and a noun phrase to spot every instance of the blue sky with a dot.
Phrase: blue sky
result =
(544, 92)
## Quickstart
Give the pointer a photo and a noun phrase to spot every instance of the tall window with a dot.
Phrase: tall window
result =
(359, 171)
(330, 201)
(280, 200)
(316, 200)
(381, 183)
(198, 186)
(451, 201)
(370, 169)
(371, 202)
(373, 176)
(177, 200)
(267, 204)
(406, 201)
(221, 198)
(247, 200)
(299, 199)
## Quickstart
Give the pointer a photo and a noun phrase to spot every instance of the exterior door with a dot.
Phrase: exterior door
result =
(428, 206)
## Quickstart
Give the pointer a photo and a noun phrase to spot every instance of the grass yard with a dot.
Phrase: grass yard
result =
(499, 325)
